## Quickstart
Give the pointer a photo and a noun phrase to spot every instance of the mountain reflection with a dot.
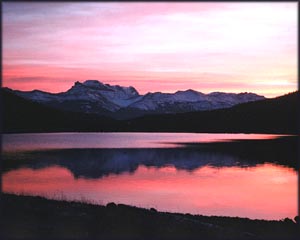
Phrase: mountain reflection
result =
(96, 163)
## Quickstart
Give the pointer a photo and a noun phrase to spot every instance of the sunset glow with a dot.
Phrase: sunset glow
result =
(244, 192)
(154, 46)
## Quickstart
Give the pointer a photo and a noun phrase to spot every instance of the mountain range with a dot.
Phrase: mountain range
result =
(38, 111)
(120, 102)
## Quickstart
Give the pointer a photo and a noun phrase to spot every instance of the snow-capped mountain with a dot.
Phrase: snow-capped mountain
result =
(93, 96)
(90, 96)
(94, 90)
(190, 100)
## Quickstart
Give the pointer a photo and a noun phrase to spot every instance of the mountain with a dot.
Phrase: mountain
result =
(89, 97)
(190, 100)
(22, 115)
(120, 102)
(275, 115)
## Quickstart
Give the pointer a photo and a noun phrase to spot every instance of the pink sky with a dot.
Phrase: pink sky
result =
(154, 46)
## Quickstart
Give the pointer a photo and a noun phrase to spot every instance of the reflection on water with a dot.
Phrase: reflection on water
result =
(34, 141)
(265, 191)
(240, 178)
(95, 163)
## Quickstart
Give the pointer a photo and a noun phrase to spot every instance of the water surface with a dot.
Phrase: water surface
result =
(159, 170)
(35, 141)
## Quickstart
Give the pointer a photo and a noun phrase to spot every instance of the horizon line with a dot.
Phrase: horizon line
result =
(168, 92)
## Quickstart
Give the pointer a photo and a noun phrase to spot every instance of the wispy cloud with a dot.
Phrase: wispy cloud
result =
(114, 41)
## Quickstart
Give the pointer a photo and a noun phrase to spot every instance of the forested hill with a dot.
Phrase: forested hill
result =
(277, 115)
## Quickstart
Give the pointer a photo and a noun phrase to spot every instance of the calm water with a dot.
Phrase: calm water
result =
(208, 174)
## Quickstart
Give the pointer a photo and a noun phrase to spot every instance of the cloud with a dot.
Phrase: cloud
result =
(27, 79)
(150, 40)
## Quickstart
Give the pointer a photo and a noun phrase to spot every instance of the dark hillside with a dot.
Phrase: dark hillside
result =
(277, 115)
(21, 115)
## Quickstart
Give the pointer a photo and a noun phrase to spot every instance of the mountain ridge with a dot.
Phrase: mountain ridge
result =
(93, 96)
(278, 115)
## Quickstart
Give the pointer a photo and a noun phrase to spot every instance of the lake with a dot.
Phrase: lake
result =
(244, 175)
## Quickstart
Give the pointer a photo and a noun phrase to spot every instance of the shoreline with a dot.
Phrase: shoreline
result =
(38, 217)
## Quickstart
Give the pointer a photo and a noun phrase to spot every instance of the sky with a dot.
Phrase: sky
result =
(153, 46)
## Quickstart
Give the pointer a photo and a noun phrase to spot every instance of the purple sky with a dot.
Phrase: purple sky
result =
(154, 46)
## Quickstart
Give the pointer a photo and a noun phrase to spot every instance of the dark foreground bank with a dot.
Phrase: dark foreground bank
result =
(36, 217)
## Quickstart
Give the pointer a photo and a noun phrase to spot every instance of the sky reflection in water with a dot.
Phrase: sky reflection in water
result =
(188, 180)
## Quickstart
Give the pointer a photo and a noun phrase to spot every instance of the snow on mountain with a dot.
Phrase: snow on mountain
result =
(189, 96)
(190, 100)
(93, 96)
(36, 95)
(154, 101)
(94, 90)
(89, 96)
(233, 98)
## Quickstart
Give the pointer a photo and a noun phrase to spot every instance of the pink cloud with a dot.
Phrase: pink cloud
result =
(146, 41)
